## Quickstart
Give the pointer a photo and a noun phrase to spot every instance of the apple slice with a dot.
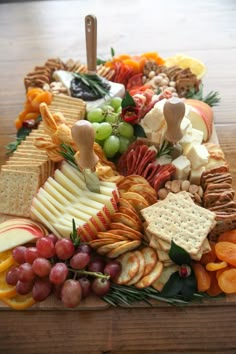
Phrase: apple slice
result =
(201, 117)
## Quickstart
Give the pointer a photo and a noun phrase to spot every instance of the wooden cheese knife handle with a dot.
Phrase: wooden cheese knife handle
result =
(83, 135)
(174, 110)
(91, 42)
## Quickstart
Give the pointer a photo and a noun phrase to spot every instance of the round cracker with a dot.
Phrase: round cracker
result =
(164, 277)
(129, 246)
(100, 242)
(150, 258)
(126, 219)
(119, 225)
(139, 188)
(141, 268)
(129, 267)
(125, 234)
(109, 247)
(111, 235)
(132, 214)
(148, 279)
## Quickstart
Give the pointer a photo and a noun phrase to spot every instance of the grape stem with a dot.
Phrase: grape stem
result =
(93, 274)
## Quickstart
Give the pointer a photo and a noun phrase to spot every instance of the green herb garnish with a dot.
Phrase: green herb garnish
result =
(212, 98)
(165, 148)
(128, 295)
(68, 153)
(74, 235)
(94, 83)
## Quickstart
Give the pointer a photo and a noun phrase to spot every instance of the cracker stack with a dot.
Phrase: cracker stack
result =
(22, 175)
(73, 109)
(179, 219)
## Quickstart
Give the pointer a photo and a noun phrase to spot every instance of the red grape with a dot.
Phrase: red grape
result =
(80, 260)
(12, 276)
(113, 269)
(26, 272)
(58, 273)
(41, 267)
(57, 290)
(31, 254)
(24, 288)
(85, 286)
(42, 289)
(83, 247)
(53, 237)
(19, 254)
(29, 123)
(45, 247)
(64, 249)
(100, 286)
(96, 265)
(71, 293)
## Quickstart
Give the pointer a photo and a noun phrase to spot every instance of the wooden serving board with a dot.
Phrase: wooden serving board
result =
(95, 303)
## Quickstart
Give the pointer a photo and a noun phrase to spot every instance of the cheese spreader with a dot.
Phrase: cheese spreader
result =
(83, 135)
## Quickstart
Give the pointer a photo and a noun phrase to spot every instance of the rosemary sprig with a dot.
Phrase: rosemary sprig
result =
(165, 148)
(11, 147)
(212, 98)
(127, 295)
(75, 238)
(68, 153)
(94, 83)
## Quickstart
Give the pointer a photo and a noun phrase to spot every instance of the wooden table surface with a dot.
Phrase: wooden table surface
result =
(30, 33)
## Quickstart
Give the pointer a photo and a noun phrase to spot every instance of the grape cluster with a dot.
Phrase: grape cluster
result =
(111, 132)
(57, 266)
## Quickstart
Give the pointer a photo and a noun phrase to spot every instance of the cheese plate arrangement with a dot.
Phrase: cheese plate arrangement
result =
(116, 191)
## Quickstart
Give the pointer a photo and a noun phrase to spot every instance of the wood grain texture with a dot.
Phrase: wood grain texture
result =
(32, 32)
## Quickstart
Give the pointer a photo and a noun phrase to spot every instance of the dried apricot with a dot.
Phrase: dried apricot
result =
(202, 276)
(210, 256)
(32, 93)
(229, 236)
(213, 266)
(227, 281)
(220, 271)
(42, 97)
(226, 251)
(214, 289)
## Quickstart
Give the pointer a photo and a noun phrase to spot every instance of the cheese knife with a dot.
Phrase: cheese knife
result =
(83, 135)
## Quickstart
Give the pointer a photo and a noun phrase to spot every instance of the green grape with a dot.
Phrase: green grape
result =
(103, 131)
(95, 115)
(125, 129)
(111, 118)
(124, 143)
(116, 103)
(107, 109)
(95, 126)
(111, 146)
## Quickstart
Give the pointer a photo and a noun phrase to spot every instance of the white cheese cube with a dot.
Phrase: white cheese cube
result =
(198, 156)
(183, 167)
(195, 175)
(185, 125)
(197, 136)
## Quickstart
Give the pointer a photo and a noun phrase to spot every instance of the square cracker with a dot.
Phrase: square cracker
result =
(17, 190)
(182, 221)
(26, 168)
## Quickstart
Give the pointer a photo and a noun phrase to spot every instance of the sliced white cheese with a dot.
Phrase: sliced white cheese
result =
(63, 191)
(67, 183)
(43, 210)
(183, 167)
(48, 205)
(35, 214)
(74, 175)
(55, 194)
(198, 156)
(49, 199)
(195, 175)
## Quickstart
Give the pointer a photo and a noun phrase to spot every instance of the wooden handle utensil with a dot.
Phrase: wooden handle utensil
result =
(91, 43)
(174, 110)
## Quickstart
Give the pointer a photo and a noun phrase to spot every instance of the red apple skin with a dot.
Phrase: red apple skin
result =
(205, 112)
